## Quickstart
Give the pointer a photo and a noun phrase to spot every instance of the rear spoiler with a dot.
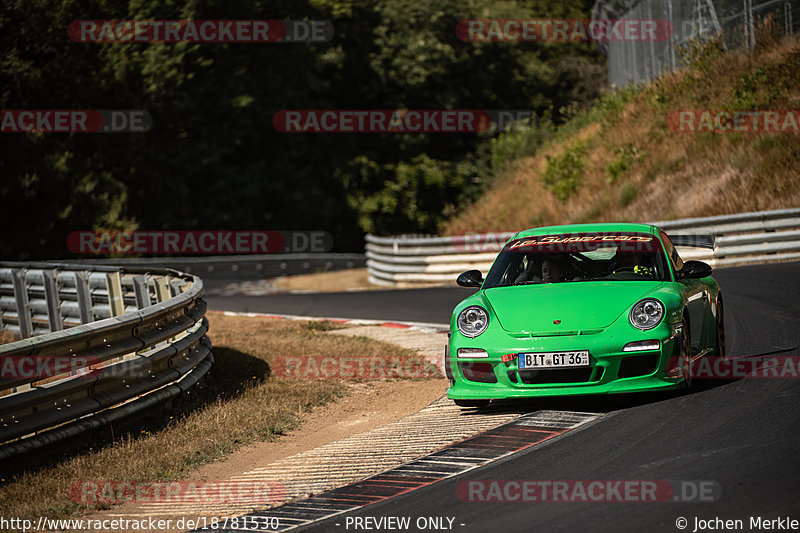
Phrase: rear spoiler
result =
(694, 240)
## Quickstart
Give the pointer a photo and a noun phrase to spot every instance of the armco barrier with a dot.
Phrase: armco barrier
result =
(743, 238)
(244, 266)
(98, 343)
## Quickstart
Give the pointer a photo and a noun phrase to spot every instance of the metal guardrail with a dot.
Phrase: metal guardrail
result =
(756, 237)
(238, 266)
(98, 344)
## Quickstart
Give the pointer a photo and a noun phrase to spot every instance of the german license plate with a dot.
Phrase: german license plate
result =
(553, 360)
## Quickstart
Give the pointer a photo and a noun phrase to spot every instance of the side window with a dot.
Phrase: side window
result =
(672, 253)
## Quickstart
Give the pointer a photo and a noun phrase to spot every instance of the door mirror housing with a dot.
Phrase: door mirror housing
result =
(470, 278)
(694, 270)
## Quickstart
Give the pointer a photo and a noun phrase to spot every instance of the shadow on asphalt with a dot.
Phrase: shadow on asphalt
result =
(589, 403)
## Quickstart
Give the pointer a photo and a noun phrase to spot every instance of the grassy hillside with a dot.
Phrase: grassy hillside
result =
(621, 162)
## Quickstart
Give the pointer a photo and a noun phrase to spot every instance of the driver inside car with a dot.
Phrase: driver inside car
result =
(630, 262)
(552, 272)
(553, 269)
(530, 272)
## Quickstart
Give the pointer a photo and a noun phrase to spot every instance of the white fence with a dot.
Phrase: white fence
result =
(757, 237)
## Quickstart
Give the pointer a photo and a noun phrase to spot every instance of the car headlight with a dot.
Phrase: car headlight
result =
(647, 314)
(472, 321)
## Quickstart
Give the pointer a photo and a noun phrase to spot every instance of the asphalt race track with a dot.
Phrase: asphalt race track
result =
(741, 435)
(414, 305)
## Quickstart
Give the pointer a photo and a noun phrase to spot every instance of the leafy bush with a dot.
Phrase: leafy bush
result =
(623, 157)
(565, 171)
(607, 108)
(699, 54)
(519, 142)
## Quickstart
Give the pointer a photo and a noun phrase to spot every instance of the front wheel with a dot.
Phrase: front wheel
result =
(721, 352)
(686, 353)
(472, 403)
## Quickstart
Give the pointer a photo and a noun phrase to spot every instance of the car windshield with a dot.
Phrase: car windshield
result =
(579, 257)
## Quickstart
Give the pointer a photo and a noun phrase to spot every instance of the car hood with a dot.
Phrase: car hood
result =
(585, 305)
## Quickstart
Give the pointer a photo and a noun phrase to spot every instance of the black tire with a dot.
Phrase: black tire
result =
(472, 403)
(721, 349)
(686, 352)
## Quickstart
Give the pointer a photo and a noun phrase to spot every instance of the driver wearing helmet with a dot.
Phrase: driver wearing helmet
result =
(630, 262)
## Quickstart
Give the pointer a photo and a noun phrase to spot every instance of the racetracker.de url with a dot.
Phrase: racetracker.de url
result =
(141, 524)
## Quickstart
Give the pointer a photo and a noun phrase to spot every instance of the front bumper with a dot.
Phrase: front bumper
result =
(611, 370)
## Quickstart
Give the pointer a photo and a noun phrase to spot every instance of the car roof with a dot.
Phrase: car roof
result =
(589, 228)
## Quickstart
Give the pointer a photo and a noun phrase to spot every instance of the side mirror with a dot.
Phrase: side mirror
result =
(694, 270)
(470, 278)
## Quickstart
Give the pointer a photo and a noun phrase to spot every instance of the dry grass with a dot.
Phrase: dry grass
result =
(239, 403)
(672, 175)
(340, 280)
(7, 337)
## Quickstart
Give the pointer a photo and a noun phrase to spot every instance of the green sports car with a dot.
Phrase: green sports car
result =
(584, 309)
